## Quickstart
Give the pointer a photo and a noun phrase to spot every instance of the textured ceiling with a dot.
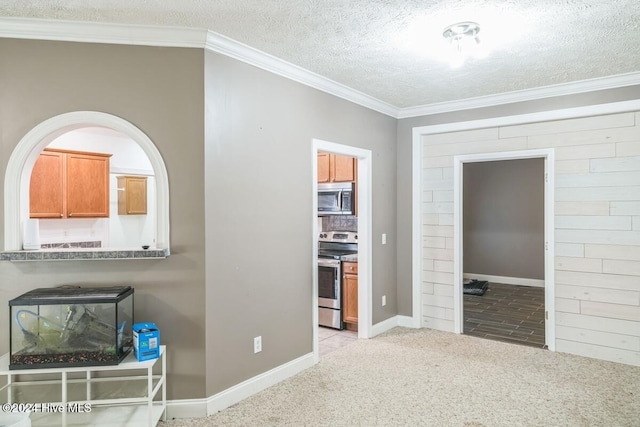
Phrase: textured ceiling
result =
(388, 49)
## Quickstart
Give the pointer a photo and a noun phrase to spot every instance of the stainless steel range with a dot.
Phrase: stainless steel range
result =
(333, 248)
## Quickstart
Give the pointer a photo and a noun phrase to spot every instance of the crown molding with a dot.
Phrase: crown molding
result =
(143, 35)
(242, 52)
(582, 86)
(99, 32)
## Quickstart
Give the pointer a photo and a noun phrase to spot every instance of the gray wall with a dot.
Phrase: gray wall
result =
(259, 131)
(503, 218)
(161, 91)
(404, 163)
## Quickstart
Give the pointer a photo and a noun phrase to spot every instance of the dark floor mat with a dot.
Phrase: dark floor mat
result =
(475, 287)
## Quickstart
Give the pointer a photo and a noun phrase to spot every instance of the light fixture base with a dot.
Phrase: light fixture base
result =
(461, 30)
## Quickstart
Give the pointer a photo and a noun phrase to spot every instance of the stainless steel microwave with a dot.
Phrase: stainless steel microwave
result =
(336, 199)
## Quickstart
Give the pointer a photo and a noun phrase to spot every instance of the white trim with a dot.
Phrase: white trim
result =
(458, 263)
(542, 116)
(144, 35)
(186, 408)
(562, 89)
(406, 322)
(99, 32)
(249, 55)
(384, 326)
(416, 225)
(24, 155)
(516, 281)
(550, 250)
(392, 322)
(260, 382)
(419, 132)
(365, 247)
(130, 171)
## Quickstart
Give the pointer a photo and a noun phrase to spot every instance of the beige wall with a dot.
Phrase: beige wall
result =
(259, 131)
(159, 90)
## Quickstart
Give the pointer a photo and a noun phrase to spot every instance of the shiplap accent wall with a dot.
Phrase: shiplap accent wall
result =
(597, 227)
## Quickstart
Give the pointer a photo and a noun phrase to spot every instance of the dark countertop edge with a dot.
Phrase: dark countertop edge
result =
(83, 254)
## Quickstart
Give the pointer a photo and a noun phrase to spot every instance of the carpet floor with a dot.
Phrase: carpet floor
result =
(423, 377)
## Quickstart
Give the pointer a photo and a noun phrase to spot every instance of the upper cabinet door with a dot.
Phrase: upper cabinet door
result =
(343, 169)
(324, 167)
(66, 184)
(46, 192)
(335, 168)
(132, 195)
(87, 185)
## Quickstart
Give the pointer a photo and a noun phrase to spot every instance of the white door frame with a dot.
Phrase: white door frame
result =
(458, 216)
(365, 302)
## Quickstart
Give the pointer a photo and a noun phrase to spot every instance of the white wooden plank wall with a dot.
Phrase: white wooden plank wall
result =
(597, 227)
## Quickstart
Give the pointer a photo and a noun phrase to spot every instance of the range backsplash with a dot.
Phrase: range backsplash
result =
(340, 223)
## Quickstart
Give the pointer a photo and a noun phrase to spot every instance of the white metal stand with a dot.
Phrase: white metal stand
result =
(91, 399)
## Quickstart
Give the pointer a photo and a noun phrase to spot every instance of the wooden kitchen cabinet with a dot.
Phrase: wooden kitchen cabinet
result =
(336, 168)
(350, 295)
(132, 195)
(69, 184)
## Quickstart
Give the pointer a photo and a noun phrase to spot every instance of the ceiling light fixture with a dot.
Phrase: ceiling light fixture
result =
(463, 37)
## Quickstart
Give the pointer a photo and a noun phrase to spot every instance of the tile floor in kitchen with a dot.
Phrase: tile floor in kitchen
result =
(331, 339)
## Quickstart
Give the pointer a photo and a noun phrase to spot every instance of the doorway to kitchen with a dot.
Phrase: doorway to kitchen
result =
(364, 212)
(527, 300)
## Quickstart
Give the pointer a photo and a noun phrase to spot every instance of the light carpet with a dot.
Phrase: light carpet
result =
(423, 377)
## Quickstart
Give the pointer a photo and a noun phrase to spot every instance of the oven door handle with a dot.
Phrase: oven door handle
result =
(328, 262)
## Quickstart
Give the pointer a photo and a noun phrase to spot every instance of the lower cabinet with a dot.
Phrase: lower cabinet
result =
(350, 295)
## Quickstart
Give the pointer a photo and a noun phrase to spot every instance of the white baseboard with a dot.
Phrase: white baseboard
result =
(186, 408)
(200, 408)
(248, 388)
(390, 323)
(407, 322)
(506, 280)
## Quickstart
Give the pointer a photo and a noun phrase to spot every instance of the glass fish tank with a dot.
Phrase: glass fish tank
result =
(71, 326)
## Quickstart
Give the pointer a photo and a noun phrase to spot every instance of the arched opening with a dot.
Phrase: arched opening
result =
(60, 128)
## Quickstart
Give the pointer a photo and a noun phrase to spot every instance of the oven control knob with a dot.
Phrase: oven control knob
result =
(355, 237)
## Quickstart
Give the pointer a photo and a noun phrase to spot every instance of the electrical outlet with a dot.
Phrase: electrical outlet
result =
(384, 300)
(257, 344)
(384, 238)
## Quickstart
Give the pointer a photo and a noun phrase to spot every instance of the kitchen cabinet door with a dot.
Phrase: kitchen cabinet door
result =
(66, 184)
(132, 195)
(87, 186)
(343, 168)
(350, 295)
(46, 191)
(324, 167)
(336, 168)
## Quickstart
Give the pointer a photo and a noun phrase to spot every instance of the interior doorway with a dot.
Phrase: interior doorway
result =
(503, 250)
(364, 233)
(459, 234)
